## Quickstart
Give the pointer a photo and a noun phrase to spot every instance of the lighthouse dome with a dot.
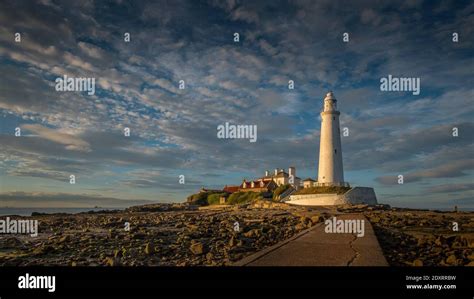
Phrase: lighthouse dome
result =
(330, 102)
(330, 96)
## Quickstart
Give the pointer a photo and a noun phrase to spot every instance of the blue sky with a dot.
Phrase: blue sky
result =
(173, 131)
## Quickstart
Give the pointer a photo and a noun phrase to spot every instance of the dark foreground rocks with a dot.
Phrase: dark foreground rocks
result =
(159, 235)
(185, 235)
(422, 238)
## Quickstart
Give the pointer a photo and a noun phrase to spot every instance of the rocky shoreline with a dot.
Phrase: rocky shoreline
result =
(420, 237)
(159, 235)
(185, 235)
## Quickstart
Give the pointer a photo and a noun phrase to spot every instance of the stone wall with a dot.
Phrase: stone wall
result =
(326, 199)
(357, 195)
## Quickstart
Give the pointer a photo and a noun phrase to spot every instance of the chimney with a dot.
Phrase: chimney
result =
(292, 171)
(266, 172)
(276, 171)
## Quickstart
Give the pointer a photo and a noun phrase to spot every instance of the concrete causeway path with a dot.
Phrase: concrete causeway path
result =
(315, 247)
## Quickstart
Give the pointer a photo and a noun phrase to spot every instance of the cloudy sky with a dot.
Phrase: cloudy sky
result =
(173, 131)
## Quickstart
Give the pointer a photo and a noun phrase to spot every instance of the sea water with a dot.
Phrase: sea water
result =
(28, 211)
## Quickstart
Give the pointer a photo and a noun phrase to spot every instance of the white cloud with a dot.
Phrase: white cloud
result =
(167, 85)
(71, 142)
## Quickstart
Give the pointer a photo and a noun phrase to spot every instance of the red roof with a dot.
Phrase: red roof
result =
(231, 189)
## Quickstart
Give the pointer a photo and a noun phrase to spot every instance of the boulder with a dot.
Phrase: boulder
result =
(148, 248)
(451, 260)
(417, 263)
(316, 219)
(253, 233)
(197, 248)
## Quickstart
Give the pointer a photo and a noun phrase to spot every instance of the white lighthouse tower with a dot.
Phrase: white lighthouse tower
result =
(330, 172)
